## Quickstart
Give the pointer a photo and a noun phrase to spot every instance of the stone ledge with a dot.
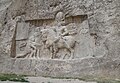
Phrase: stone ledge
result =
(62, 68)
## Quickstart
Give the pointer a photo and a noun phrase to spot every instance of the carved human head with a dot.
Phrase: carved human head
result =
(59, 17)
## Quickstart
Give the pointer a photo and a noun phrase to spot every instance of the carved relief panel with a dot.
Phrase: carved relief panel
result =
(58, 38)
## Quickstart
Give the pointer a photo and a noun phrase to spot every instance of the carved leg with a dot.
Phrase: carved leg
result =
(31, 54)
(20, 56)
(38, 53)
(24, 55)
(34, 54)
(27, 54)
(53, 55)
(72, 54)
(70, 50)
(52, 52)
(63, 57)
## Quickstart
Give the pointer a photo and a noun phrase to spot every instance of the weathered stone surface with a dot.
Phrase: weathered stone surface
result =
(64, 68)
(71, 38)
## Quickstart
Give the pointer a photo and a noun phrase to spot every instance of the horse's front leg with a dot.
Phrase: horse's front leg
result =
(71, 54)
(52, 53)
(38, 53)
(55, 50)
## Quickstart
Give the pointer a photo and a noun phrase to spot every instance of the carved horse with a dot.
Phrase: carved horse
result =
(54, 43)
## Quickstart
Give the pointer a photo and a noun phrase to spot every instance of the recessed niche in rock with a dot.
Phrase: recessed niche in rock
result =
(58, 38)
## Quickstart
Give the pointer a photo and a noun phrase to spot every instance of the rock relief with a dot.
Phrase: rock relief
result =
(48, 38)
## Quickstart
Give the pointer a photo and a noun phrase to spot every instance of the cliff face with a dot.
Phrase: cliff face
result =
(60, 37)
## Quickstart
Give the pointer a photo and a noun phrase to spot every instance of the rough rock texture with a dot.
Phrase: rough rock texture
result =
(89, 67)
(60, 38)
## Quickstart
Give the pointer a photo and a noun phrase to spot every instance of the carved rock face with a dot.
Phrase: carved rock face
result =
(63, 34)
(58, 39)
(62, 29)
